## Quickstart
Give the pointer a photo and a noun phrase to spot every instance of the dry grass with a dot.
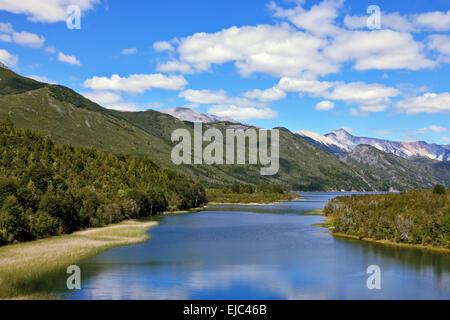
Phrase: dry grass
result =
(22, 266)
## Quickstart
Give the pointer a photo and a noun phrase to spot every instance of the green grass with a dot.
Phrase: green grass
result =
(24, 267)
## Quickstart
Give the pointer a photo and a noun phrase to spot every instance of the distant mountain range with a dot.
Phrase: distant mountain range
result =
(307, 161)
(186, 114)
(340, 142)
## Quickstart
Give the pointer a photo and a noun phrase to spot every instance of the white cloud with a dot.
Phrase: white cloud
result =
(242, 113)
(6, 27)
(445, 139)
(427, 103)
(22, 38)
(218, 97)
(7, 58)
(175, 66)
(123, 106)
(103, 97)
(163, 46)
(268, 95)
(204, 96)
(369, 97)
(429, 21)
(441, 44)
(5, 37)
(45, 10)
(28, 39)
(325, 105)
(436, 21)
(68, 59)
(41, 79)
(136, 83)
(278, 50)
(319, 20)
(433, 128)
(129, 51)
(313, 87)
(378, 49)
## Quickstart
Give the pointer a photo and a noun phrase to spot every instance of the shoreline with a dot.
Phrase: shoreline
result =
(328, 225)
(24, 265)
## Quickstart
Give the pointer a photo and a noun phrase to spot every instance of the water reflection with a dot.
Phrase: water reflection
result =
(235, 252)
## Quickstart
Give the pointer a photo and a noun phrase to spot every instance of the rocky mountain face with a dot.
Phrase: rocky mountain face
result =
(340, 142)
(386, 171)
(186, 114)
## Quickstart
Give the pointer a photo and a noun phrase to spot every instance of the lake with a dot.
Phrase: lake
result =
(258, 252)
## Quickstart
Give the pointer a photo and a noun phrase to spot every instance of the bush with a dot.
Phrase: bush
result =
(439, 189)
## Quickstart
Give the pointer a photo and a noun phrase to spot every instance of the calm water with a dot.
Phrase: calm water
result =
(258, 252)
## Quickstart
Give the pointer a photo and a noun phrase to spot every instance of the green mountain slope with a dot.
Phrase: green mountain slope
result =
(69, 118)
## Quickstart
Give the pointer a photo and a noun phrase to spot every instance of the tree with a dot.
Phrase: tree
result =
(439, 189)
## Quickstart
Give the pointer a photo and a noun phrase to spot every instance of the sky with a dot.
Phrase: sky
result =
(302, 65)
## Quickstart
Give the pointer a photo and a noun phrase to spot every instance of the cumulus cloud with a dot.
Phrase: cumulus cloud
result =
(369, 97)
(278, 50)
(175, 66)
(22, 38)
(68, 59)
(49, 11)
(41, 79)
(128, 51)
(324, 106)
(103, 97)
(429, 21)
(243, 113)
(163, 46)
(123, 106)
(8, 59)
(309, 42)
(136, 83)
(313, 87)
(319, 20)
(427, 103)
(378, 49)
(28, 39)
(267, 95)
(441, 44)
(204, 96)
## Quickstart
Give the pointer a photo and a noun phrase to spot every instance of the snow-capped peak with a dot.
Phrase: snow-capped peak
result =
(186, 114)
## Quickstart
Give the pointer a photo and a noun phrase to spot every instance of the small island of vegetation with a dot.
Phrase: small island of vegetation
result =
(418, 218)
(249, 194)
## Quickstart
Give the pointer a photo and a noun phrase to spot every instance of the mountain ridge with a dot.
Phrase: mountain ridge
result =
(69, 118)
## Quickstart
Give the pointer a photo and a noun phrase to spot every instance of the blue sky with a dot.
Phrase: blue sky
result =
(312, 65)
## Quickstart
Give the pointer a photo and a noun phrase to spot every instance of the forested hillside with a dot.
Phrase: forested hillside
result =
(47, 189)
(419, 217)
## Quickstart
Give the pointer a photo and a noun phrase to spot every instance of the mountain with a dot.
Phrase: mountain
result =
(340, 141)
(324, 142)
(69, 118)
(186, 114)
(386, 171)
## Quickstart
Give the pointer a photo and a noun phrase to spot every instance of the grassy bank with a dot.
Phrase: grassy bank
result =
(218, 196)
(23, 266)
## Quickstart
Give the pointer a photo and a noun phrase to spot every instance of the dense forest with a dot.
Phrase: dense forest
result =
(48, 190)
(419, 217)
(247, 193)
